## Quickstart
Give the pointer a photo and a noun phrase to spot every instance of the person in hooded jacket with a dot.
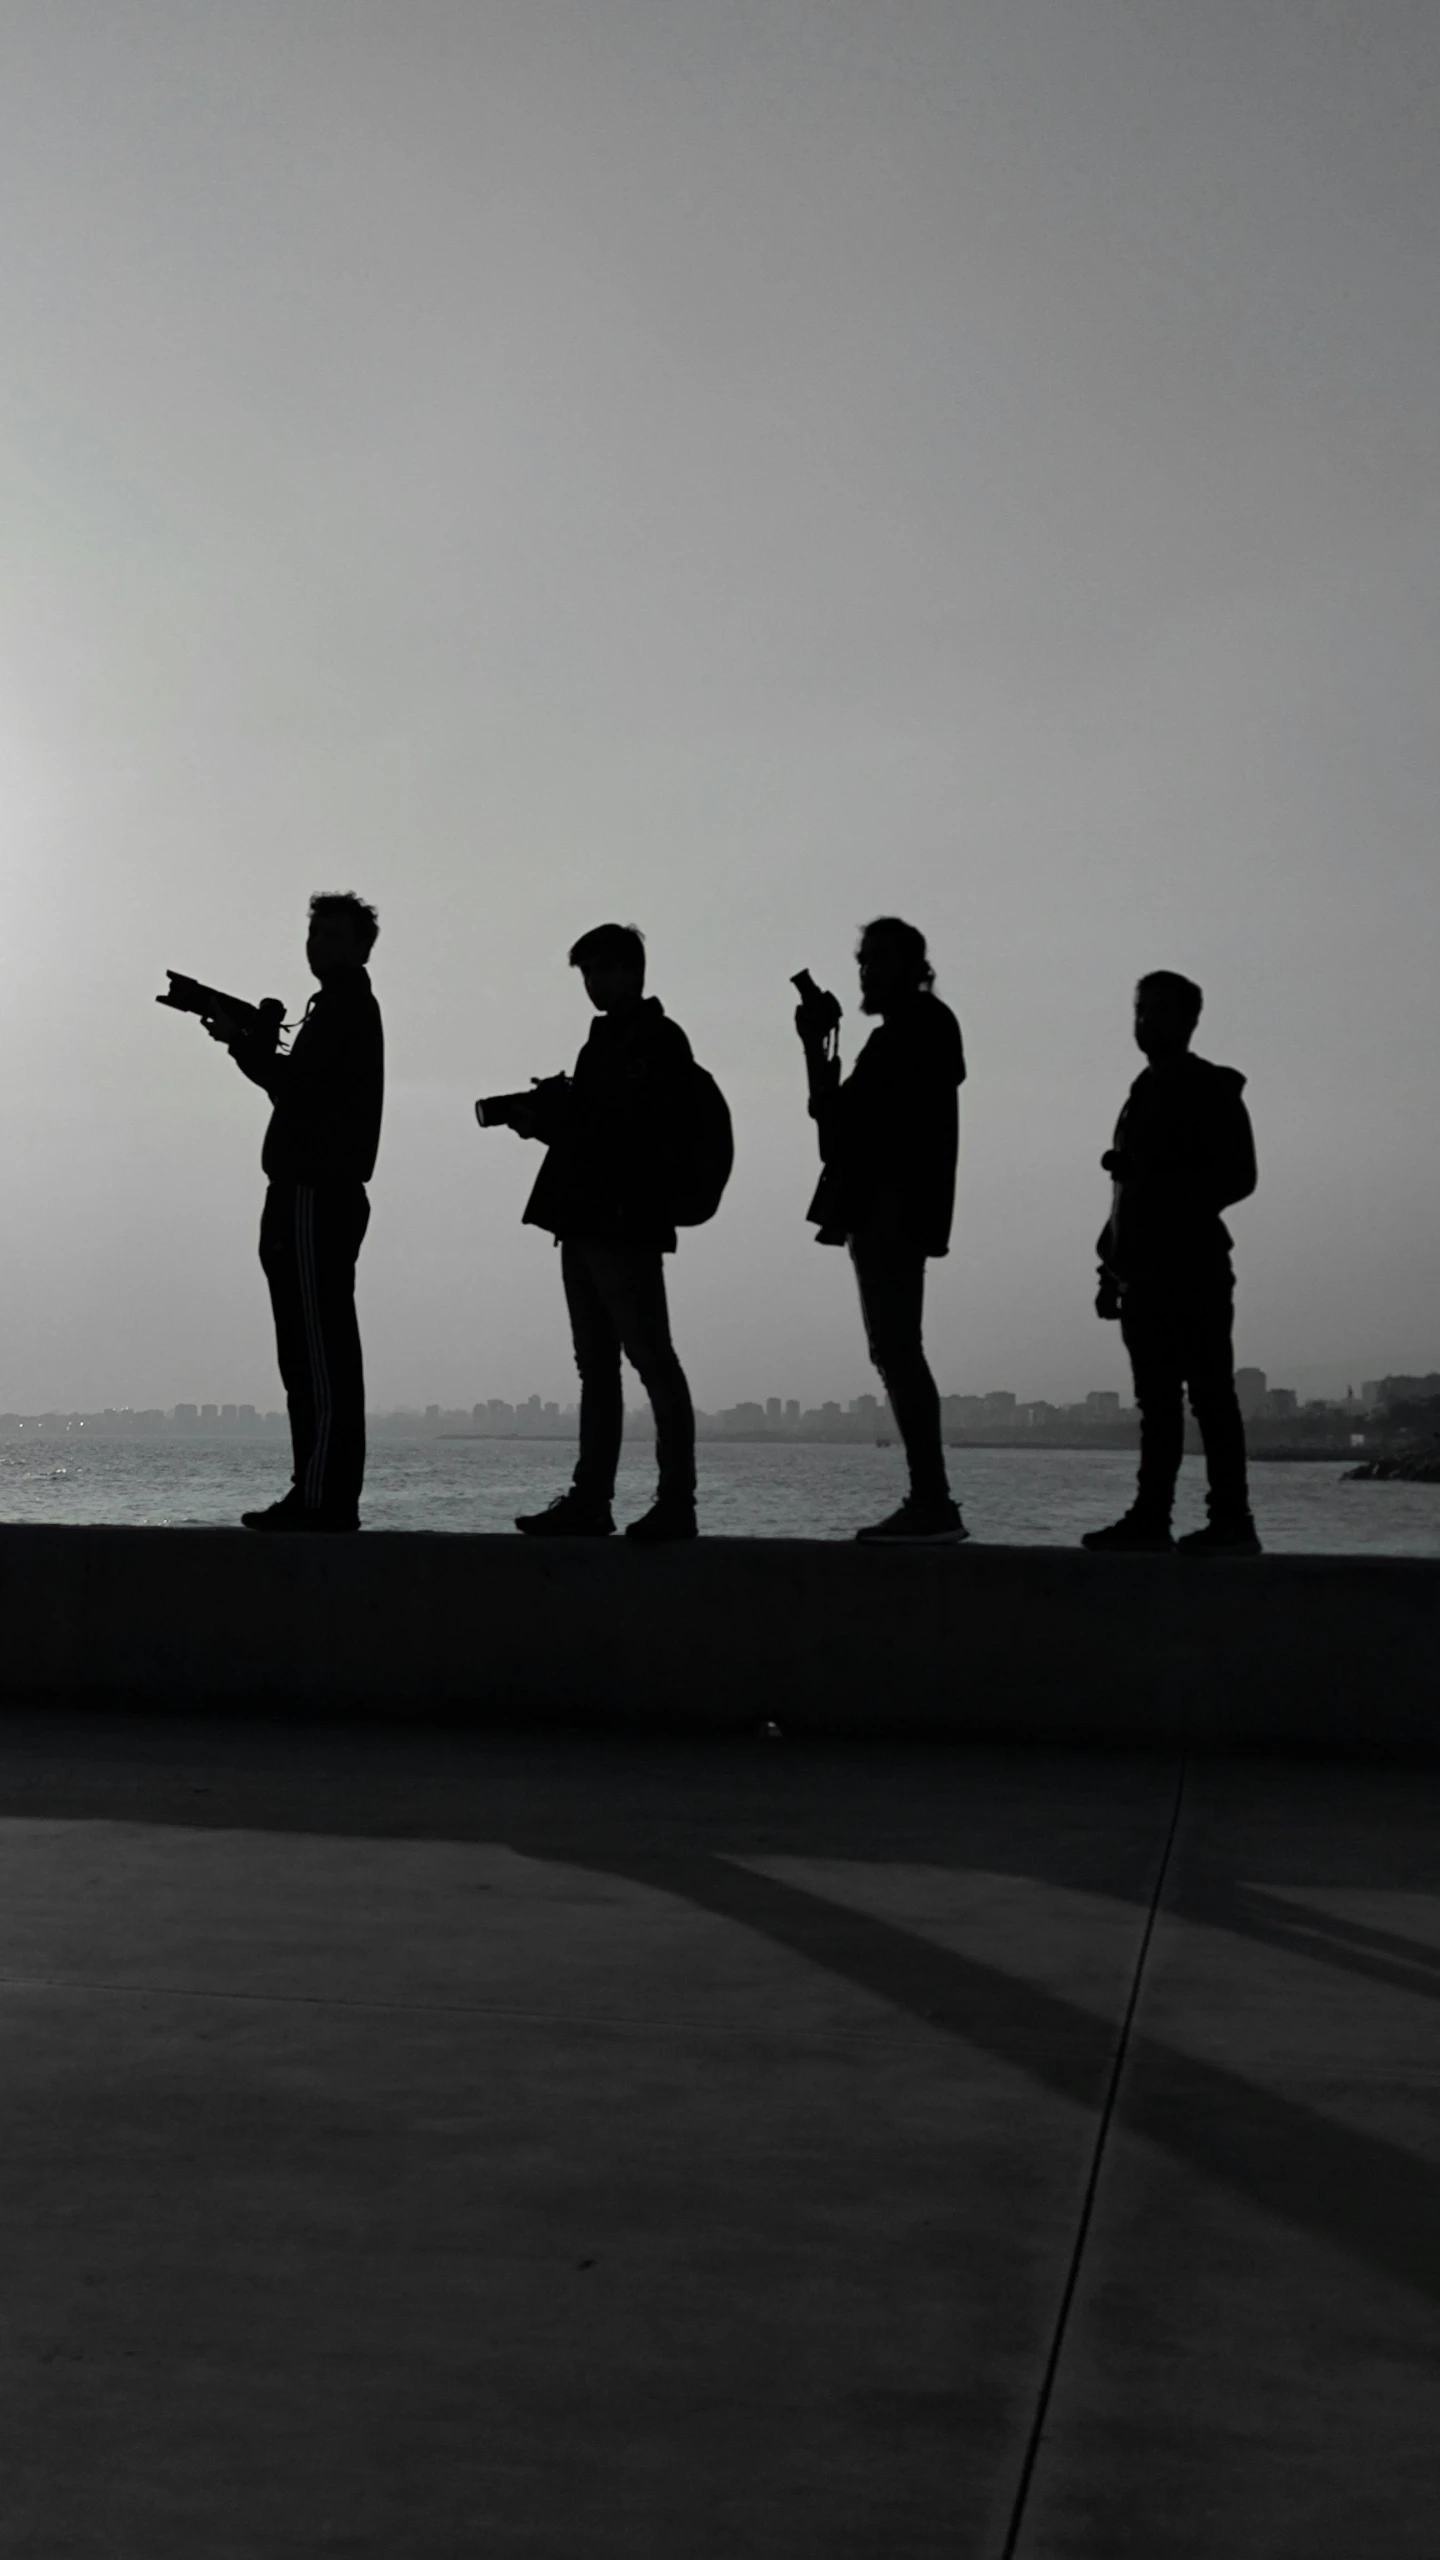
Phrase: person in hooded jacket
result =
(615, 1132)
(1183, 1152)
(889, 1138)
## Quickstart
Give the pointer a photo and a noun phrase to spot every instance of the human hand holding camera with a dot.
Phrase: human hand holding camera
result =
(817, 1015)
(535, 1114)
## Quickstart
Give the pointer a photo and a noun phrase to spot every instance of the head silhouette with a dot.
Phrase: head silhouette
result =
(894, 965)
(1167, 1008)
(342, 932)
(611, 961)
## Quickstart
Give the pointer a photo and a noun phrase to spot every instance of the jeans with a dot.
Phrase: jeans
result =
(891, 1281)
(616, 1297)
(1178, 1334)
(310, 1238)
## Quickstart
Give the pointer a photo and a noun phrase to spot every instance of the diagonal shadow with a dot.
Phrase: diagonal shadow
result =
(1351, 1946)
(1354, 2190)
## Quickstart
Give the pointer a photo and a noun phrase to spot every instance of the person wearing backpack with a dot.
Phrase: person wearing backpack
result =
(889, 1138)
(637, 1140)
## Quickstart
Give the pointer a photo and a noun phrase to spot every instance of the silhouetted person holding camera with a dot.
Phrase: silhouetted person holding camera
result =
(889, 1137)
(1183, 1152)
(319, 1153)
(607, 1191)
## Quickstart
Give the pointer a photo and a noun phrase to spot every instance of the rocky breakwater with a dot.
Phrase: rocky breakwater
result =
(1404, 1466)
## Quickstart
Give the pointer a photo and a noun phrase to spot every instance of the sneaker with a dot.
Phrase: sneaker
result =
(919, 1524)
(665, 1519)
(1221, 1538)
(283, 1514)
(570, 1515)
(290, 1517)
(1132, 1536)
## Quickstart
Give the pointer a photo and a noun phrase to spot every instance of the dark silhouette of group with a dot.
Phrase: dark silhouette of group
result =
(638, 1144)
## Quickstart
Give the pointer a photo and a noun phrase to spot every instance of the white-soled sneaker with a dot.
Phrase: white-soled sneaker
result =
(918, 1524)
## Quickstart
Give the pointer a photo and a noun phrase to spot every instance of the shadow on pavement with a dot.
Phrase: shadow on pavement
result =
(1089, 1822)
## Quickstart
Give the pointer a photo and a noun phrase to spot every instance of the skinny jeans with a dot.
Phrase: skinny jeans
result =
(616, 1298)
(891, 1281)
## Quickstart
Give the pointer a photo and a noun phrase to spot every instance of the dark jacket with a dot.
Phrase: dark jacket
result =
(890, 1134)
(614, 1131)
(1184, 1150)
(328, 1089)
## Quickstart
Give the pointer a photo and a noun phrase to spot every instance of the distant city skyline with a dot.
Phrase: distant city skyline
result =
(1260, 1398)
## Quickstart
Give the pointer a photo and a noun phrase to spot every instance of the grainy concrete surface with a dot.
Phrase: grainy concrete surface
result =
(422, 2144)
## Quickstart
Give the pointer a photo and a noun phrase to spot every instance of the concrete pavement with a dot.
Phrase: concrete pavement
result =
(421, 2142)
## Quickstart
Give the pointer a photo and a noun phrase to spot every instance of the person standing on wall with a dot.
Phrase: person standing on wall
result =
(889, 1138)
(319, 1153)
(638, 1140)
(1184, 1150)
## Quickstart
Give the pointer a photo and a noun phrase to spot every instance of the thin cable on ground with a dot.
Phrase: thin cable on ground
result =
(1092, 2183)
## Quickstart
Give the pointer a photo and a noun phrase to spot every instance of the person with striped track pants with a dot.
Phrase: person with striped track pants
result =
(319, 1153)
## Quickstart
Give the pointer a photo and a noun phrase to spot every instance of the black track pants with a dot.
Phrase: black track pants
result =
(310, 1238)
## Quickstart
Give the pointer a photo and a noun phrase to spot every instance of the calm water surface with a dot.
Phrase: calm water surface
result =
(1019, 1497)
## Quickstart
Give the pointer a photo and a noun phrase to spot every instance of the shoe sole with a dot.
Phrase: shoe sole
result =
(911, 1537)
(542, 1529)
(1126, 1551)
(302, 1528)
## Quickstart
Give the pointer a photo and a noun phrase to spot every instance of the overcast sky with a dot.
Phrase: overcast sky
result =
(737, 466)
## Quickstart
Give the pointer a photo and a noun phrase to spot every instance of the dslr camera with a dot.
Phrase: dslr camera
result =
(818, 1014)
(538, 1106)
(257, 1021)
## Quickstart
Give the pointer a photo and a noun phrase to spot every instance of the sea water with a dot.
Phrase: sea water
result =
(1020, 1497)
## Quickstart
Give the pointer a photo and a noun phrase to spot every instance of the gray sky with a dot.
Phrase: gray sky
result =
(737, 466)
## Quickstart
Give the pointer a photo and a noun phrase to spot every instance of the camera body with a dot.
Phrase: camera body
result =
(257, 1021)
(819, 1013)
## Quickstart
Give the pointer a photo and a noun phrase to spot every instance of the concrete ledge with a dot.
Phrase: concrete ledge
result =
(1017, 1644)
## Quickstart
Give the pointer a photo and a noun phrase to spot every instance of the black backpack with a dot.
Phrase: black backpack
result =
(702, 1151)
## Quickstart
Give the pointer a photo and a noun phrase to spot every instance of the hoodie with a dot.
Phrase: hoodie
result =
(1183, 1151)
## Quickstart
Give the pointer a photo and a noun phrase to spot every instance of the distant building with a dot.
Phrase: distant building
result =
(743, 1417)
(1103, 1404)
(1280, 1404)
(792, 1410)
(1402, 1390)
(1251, 1388)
